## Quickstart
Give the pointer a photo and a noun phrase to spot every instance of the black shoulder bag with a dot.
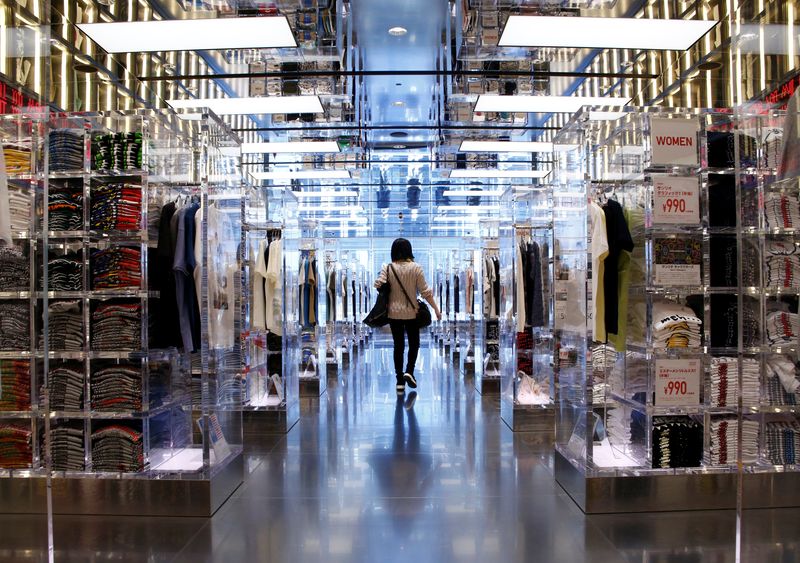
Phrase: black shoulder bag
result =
(423, 313)
(379, 315)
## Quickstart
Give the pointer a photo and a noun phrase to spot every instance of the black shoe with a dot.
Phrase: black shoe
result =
(412, 382)
(412, 398)
(401, 386)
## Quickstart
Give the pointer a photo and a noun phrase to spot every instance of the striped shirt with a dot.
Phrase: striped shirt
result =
(412, 277)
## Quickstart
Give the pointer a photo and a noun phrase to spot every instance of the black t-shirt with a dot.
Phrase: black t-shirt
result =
(619, 239)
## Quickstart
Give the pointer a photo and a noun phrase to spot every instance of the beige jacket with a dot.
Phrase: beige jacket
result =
(412, 277)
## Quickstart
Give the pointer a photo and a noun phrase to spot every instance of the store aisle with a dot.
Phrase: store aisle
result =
(364, 478)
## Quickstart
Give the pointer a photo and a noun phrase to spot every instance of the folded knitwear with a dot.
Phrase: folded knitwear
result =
(782, 441)
(15, 273)
(117, 388)
(66, 326)
(65, 383)
(14, 325)
(119, 151)
(66, 447)
(115, 207)
(117, 326)
(66, 150)
(677, 442)
(16, 446)
(65, 208)
(65, 273)
(117, 267)
(17, 156)
(15, 385)
(117, 448)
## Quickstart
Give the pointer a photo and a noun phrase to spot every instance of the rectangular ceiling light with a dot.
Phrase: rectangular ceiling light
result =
(291, 147)
(327, 193)
(493, 173)
(247, 106)
(302, 175)
(603, 33)
(191, 35)
(505, 146)
(543, 104)
(472, 193)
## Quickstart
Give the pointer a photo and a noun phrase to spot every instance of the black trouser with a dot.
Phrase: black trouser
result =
(399, 329)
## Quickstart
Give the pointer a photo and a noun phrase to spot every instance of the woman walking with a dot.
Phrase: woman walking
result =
(405, 274)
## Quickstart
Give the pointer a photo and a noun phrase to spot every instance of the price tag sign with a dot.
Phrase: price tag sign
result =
(561, 311)
(678, 382)
(674, 141)
(676, 200)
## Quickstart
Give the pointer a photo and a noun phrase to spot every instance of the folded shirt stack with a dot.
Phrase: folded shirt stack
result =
(115, 207)
(675, 326)
(120, 151)
(117, 448)
(66, 273)
(66, 387)
(618, 426)
(782, 440)
(66, 150)
(604, 356)
(16, 447)
(783, 264)
(66, 326)
(781, 211)
(14, 325)
(677, 442)
(15, 272)
(66, 447)
(777, 395)
(65, 209)
(723, 439)
(117, 388)
(17, 156)
(782, 327)
(725, 382)
(19, 208)
(117, 326)
(15, 385)
(772, 147)
(117, 267)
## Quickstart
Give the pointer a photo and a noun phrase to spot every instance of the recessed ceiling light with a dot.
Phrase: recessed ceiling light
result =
(398, 134)
(397, 31)
(543, 104)
(302, 175)
(398, 103)
(505, 146)
(494, 173)
(398, 147)
(191, 35)
(328, 193)
(710, 65)
(602, 33)
(257, 105)
(291, 147)
(472, 193)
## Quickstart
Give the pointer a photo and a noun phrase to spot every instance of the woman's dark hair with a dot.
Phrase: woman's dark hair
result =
(401, 250)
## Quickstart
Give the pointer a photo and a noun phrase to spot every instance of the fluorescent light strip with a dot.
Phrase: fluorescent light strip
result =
(505, 146)
(543, 104)
(470, 193)
(302, 175)
(603, 33)
(258, 105)
(291, 147)
(494, 173)
(191, 35)
(329, 193)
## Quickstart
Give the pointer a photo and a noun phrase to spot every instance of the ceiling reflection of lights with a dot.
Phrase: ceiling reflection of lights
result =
(291, 147)
(505, 146)
(358, 220)
(494, 173)
(328, 193)
(605, 115)
(543, 104)
(603, 33)
(191, 35)
(472, 193)
(470, 207)
(341, 208)
(397, 31)
(255, 105)
(302, 175)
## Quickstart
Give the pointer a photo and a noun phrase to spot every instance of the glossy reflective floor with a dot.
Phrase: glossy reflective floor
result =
(365, 477)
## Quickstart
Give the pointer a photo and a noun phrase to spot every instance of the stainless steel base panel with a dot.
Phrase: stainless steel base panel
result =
(541, 421)
(663, 493)
(124, 497)
(487, 385)
(312, 386)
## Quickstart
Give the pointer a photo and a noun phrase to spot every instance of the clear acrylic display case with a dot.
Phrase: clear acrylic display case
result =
(691, 358)
(119, 409)
(488, 303)
(528, 385)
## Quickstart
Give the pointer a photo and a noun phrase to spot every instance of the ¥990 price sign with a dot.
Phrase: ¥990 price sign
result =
(678, 382)
(676, 200)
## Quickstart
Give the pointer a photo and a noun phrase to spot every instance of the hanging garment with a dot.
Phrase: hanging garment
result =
(273, 288)
(184, 266)
(259, 302)
(456, 293)
(619, 240)
(599, 248)
(470, 297)
(519, 285)
(535, 296)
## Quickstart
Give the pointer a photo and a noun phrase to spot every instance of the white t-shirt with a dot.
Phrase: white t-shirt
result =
(599, 249)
